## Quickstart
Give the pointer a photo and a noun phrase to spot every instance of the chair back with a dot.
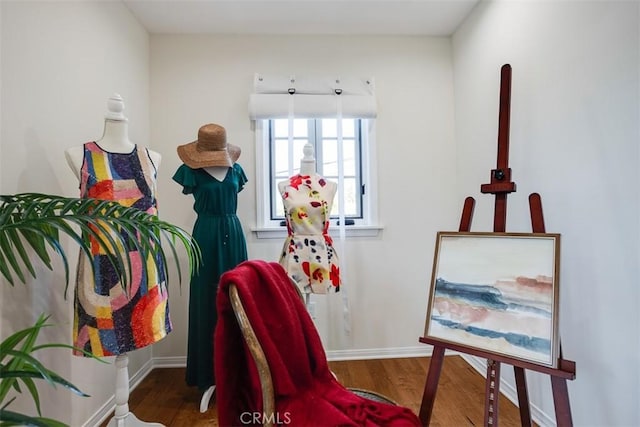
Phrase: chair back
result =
(266, 383)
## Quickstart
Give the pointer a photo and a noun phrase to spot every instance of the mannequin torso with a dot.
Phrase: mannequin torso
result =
(114, 140)
(87, 299)
(219, 234)
(307, 254)
(308, 168)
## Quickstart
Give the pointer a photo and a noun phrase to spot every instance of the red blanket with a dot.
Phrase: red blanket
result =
(306, 393)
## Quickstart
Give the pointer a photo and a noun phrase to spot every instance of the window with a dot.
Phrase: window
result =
(322, 134)
(279, 156)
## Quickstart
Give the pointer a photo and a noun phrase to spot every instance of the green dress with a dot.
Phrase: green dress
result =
(221, 239)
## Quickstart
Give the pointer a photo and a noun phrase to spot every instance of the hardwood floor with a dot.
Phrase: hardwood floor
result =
(163, 396)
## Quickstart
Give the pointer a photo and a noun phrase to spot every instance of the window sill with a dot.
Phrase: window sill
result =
(350, 231)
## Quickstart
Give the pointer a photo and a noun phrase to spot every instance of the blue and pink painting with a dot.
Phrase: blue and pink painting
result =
(497, 292)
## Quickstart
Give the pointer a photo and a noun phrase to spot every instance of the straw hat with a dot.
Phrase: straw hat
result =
(210, 149)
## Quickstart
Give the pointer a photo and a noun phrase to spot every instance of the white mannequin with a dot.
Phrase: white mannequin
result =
(213, 138)
(308, 167)
(308, 162)
(115, 140)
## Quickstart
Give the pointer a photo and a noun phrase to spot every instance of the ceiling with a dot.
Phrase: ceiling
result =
(351, 17)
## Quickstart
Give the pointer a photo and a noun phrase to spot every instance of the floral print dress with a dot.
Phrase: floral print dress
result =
(308, 255)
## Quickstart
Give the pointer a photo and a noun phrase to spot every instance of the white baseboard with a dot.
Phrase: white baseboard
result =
(510, 392)
(379, 353)
(332, 355)
(170, 362)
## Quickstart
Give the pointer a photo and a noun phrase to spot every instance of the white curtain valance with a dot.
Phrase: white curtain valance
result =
(276, 96)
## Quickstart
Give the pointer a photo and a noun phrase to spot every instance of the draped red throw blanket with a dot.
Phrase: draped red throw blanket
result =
(306, 393)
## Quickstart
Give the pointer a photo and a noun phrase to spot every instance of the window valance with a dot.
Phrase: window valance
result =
(277, 96)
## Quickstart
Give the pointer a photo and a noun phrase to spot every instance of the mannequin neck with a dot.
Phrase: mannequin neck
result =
(218, 172)
(115, 138)
(307, 167)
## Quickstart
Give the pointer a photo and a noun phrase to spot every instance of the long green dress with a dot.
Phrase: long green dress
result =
(220, 236)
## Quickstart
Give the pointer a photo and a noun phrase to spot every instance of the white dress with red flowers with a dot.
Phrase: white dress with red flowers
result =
(308, 255)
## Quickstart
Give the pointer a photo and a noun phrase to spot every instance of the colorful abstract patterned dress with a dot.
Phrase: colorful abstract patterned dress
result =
(109, 321)
(308, 254)
(221, 239)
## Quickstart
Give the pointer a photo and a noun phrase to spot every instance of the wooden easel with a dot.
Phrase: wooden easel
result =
(500, 186)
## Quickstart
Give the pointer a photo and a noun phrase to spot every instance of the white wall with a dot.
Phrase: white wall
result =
(55, 84)
(574, 140)
(202, 79)
(60, 63)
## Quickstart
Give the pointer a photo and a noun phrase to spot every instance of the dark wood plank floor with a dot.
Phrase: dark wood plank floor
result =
(163, 396)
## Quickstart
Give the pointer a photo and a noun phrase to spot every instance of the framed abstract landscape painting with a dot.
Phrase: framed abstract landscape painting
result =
(497, 293)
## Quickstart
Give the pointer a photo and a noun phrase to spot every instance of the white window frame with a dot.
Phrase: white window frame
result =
(367, 226)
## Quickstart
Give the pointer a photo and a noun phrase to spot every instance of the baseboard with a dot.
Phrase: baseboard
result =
(170, 362)
(510, 392)
(379, 353)
(107, 409)
(332, 355)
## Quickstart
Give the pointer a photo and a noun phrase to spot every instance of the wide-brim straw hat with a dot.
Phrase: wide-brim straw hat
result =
(210, 149)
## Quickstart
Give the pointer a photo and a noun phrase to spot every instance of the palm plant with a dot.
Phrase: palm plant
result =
(31, 224)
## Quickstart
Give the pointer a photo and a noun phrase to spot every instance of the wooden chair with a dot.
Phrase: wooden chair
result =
(264, 373)
(266, 383)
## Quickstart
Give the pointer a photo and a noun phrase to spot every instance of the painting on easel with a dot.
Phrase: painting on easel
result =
(497, 292)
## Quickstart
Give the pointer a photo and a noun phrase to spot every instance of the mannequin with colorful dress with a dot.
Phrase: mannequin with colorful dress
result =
(107, 321)
(308, 255)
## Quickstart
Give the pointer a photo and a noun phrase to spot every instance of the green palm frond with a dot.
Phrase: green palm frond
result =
(31, 225)
(9, 418)
(36, 221)
(19, 367)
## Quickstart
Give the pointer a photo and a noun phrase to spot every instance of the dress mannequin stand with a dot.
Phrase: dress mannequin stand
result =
(122, 417)
(211, 175)
(308, 168)
(206, 398)
(115, 140)
(219, 173)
